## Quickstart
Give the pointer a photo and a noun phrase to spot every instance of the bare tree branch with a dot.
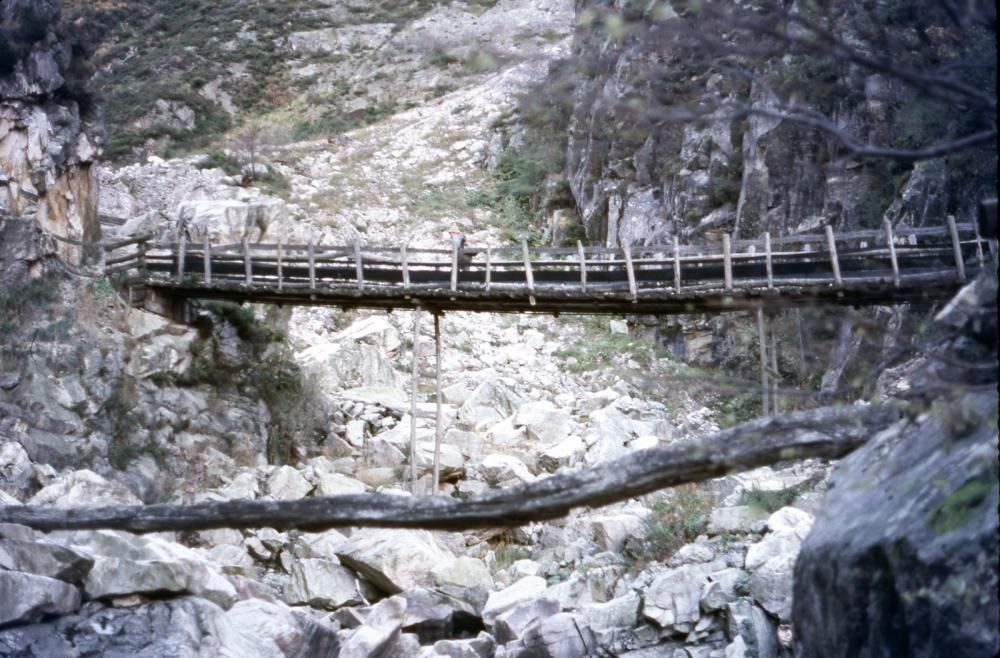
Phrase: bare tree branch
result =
(830, 432)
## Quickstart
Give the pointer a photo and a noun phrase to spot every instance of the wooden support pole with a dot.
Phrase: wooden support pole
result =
(528, 276)
(980, 259)
(489, 263)
(956, 245)
(768, 261)
(774, 365)
(583, 265)
(629, 270)
(435, 482)
(312, 265)
(831, 245)
(206, 255)
(727, 260)
(404, 260)
(359, 268)
(414, 384)
(181, 253)
(764, 379)
(141, 260)
(890, 239)
(454, 265)
(677, 265)
(247, 265)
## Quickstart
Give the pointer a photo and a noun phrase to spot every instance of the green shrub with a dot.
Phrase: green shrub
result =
(770, 501)
(676, 521)
(219, 159)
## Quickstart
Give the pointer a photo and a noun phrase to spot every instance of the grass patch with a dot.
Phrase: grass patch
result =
(770, 501)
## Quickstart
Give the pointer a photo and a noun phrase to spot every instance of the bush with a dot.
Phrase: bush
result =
(770, 501)
(676, 521)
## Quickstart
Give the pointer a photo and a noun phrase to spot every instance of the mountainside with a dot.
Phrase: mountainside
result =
(400, 123)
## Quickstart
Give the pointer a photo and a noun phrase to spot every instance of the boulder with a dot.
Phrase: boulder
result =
(323, 584)
(490, 403)
(497, 468)
(720, 589)
(393, 560)
(566, 453)
(183, 626)
(908, 534)
(379, 632)
(790, 527)
(335, 484)
(287, 483)
(81, 489)
(16, 472)
(771, 586)
(564, 635)
(622, 612)
(42, 558)
(752, 625)
(544, 422)
(232, 220)
(26, 597)
(464, 578)
(512, 624)
(482, 646)
(127, 564)
(271, 623)
(736, 519)
(673, 596)
(611, 530)
(526, 589)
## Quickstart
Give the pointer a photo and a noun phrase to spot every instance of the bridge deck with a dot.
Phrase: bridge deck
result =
(866, 267)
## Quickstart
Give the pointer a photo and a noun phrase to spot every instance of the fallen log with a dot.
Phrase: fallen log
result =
(828, 432)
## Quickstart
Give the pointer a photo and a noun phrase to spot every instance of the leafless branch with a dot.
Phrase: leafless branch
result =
(830, 432)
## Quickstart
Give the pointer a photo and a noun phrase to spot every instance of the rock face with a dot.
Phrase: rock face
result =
(908, 535)
(638, 179)
(47, 144)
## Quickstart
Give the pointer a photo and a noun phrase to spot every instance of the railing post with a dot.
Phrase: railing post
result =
(403, 259)
(181, 253)
(312, 265)
(727, 261)
(677, 264)
(141, 259)
(583, 265)
(489, 263)
(280, 277)
(247, 264)
(768, 263)
(831, 244)
(629, 271)
(359, 269)
(890, 239)
(207, 259)
(528, 276)
(454, 265)
(956, 246)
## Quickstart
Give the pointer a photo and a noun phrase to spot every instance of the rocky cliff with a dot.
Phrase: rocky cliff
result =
(48, 138)
(661, 144)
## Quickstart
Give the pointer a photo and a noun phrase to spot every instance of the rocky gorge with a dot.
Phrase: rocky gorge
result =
(105, 404)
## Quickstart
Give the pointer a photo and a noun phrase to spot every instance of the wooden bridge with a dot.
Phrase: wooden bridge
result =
(860, 268)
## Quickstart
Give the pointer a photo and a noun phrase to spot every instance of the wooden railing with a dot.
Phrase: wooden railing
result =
(885, 258)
